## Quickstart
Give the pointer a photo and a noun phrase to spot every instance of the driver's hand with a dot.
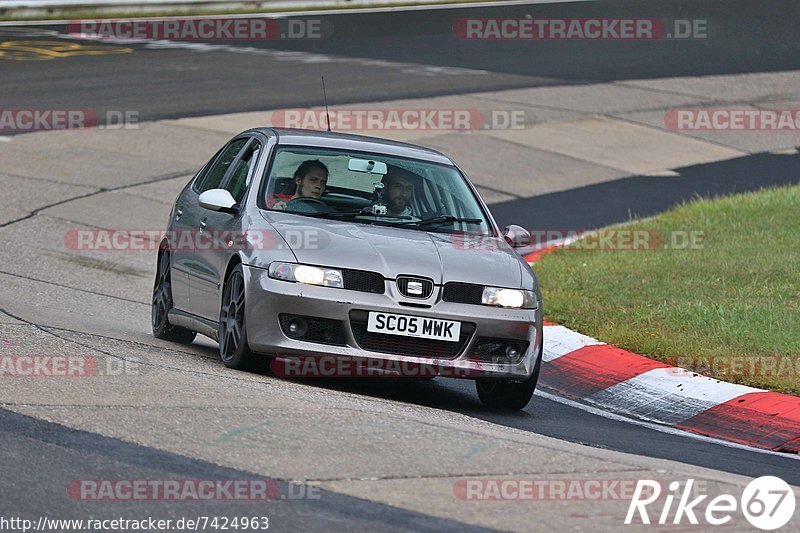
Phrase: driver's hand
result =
(280, 205)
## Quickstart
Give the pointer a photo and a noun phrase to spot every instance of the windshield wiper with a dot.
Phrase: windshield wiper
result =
(444, 219)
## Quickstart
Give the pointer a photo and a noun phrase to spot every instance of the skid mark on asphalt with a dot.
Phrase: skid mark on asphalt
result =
(243, 437)
(138, 361)
(103, 265)
(173, 348)
(61, 285)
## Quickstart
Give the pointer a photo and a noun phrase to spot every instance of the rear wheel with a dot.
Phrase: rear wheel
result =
(162, 303)
(234, 350)
(507, 393)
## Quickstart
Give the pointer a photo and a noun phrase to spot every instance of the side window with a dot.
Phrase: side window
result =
(243, 172)
(201, 174)
(214, 176)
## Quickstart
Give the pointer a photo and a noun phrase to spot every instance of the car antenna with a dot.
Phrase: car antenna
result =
(325, 96)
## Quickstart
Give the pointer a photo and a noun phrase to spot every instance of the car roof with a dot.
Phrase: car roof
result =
(359, 143)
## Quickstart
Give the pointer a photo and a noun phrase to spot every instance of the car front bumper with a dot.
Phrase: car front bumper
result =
(267, 298)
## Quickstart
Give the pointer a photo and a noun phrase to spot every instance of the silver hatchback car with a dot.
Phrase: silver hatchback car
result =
(298, 247)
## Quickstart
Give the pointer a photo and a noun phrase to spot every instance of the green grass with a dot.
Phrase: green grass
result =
(717, 309)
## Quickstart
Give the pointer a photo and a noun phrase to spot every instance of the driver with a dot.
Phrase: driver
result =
(398, 190)
(310, 179)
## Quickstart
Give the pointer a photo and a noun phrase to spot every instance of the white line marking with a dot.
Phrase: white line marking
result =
(668, 395)
(432, 7)
(658, 427)
(283, 55)
(562, 241)
(559, 341)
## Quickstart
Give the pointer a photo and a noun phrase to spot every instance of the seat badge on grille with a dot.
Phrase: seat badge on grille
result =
(414, 287)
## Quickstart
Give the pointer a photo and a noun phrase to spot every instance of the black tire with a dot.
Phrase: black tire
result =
(234, 351)
(507, 393)
(162, 303)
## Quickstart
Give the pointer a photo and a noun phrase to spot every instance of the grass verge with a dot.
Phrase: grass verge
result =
(716, 289)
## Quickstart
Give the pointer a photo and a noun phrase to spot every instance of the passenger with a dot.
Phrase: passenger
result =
(310, 179)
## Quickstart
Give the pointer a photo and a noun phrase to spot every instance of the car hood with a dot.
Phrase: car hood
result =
(392, 251)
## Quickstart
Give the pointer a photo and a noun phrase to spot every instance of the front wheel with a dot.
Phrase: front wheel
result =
(234, 351)
(162, 303)
(508, 393)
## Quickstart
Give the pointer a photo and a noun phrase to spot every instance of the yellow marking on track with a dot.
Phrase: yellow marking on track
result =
(47, 50)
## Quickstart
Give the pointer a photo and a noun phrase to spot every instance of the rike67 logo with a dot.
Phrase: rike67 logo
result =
(767, 502)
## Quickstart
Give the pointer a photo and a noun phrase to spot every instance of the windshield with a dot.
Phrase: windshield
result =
(372, 189)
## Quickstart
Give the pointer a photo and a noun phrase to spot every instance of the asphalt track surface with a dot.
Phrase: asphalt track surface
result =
(172, 84)
(44, 457)
(548, 417)
(176, 84)
(185, 82)
(617, 201)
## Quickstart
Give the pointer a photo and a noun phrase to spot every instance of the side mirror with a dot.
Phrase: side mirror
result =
(517, 236)
(217, 200)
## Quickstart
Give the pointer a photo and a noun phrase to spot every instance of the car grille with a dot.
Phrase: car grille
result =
(364, 281)
(489, 350)
(399, 345)
(426, 286)
(319, 330)
(462, 293)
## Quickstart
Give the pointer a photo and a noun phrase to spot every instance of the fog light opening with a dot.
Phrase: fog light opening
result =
(514, 351)
(297, 327)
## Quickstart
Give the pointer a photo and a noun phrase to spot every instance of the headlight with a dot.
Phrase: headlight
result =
(515, 298)
(312, 275)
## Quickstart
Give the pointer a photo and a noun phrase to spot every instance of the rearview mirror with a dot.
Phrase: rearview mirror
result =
(365, 165)
(217, 200)
(517, 236)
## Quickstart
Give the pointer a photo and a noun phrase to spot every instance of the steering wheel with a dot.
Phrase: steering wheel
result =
(306, 204)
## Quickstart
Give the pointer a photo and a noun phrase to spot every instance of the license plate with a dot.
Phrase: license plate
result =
(414, 326)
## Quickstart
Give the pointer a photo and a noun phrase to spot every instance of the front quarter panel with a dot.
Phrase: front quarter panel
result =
(264, 243)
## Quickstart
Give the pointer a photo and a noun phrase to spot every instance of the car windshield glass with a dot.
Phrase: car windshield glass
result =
(373, 188)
